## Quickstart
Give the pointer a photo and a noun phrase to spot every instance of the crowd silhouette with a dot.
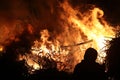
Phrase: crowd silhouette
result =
(86, 69)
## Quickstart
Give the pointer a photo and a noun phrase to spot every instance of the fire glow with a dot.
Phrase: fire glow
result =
(67, 48)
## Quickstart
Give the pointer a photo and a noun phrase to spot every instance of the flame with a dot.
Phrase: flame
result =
(92, 25)
(64, 48)
(1, 48)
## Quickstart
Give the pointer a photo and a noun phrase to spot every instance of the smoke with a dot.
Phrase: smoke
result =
(30, 15)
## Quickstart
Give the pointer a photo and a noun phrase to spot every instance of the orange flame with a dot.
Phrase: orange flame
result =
(91, 26)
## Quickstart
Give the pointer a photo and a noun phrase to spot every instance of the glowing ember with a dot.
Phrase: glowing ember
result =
(1, 48)
(64, 49)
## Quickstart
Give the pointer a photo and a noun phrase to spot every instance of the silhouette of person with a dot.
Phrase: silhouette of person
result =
(113, 58)
(88, 68)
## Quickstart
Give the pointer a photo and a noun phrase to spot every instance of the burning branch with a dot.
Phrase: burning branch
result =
(78, 44)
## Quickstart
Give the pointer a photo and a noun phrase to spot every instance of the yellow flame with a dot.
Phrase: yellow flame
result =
(92, 26)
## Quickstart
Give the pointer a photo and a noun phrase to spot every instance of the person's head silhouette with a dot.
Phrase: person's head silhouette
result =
(90, 54)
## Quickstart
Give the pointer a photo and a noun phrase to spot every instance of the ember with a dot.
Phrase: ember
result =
(1, 48)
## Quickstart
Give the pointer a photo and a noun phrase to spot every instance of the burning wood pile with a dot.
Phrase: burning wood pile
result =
(63, 45)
